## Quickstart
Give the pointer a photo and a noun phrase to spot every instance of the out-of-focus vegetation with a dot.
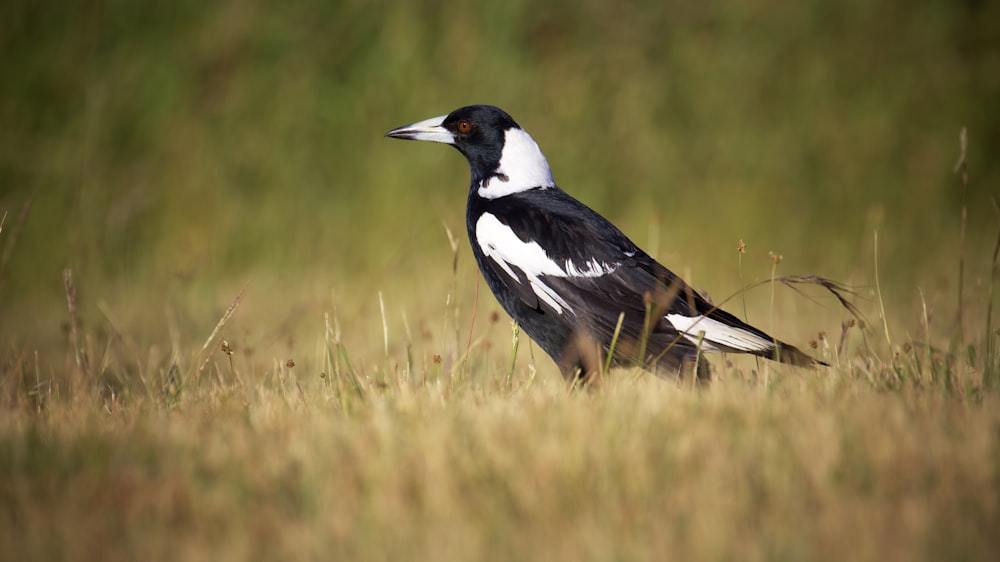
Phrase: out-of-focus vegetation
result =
(170, 154)
(178, 148)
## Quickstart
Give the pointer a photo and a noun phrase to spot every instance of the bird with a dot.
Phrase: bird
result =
(572, 281)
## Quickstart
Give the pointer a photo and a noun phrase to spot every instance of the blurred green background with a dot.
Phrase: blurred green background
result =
(174, 151)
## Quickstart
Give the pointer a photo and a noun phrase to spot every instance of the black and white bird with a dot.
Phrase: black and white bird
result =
(566, 274)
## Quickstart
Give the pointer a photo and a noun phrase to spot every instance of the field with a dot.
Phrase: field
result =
(237, 323)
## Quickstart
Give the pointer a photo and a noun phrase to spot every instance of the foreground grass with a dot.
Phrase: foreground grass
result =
(818, 465)
(436, 445)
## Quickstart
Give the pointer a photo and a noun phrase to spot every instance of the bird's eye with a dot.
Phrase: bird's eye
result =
(464, 126)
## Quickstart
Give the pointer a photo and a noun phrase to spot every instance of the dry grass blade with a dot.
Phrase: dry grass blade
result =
(991, 376)
(453, 243)
(203, 356)
(78, 352)
(841, 292)
(8, 247)
(963, 166)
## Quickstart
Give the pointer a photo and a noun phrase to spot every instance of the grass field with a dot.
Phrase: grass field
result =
(237, 323)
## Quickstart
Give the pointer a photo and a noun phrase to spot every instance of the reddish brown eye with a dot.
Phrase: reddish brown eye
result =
(464, 126)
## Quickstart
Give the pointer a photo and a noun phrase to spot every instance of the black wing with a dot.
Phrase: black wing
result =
(634, 284)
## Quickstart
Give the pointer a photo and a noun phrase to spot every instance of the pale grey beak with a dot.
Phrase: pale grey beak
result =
(426, 130)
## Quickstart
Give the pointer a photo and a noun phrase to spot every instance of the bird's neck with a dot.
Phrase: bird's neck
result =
(521, 167)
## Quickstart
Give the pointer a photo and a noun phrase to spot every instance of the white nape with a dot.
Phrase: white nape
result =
(522, 167)
(716, 332)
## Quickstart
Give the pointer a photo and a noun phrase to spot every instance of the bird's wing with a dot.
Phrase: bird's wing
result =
(567, 258)
(559, 256)
(535, 238)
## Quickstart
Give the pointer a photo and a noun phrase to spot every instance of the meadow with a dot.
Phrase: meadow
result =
(238, 323)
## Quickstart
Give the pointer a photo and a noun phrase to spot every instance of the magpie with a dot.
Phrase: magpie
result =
(572, 280)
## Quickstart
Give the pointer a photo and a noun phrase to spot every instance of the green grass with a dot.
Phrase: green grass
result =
(236, 322)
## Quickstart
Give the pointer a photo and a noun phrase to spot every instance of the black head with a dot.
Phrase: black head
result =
(504, 159)
(477, 131)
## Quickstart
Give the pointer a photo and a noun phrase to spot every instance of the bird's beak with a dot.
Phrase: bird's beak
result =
(426, 130)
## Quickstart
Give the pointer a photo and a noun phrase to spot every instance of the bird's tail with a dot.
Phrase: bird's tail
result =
(791, 355)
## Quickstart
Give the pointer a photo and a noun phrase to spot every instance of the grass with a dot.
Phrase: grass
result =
(863, 462)
(202, 358)
(386, 452)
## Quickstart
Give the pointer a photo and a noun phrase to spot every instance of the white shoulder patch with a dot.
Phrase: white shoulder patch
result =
(522, 167)
(503, 246)
(716, 332)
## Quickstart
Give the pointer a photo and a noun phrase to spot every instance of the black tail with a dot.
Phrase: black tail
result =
(792, 355)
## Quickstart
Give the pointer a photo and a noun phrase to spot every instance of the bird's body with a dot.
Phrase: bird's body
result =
(566, 274)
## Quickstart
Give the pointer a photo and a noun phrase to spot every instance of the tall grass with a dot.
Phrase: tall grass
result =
(870, 459)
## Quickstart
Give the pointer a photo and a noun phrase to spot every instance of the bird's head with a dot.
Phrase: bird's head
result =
(504, 159)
